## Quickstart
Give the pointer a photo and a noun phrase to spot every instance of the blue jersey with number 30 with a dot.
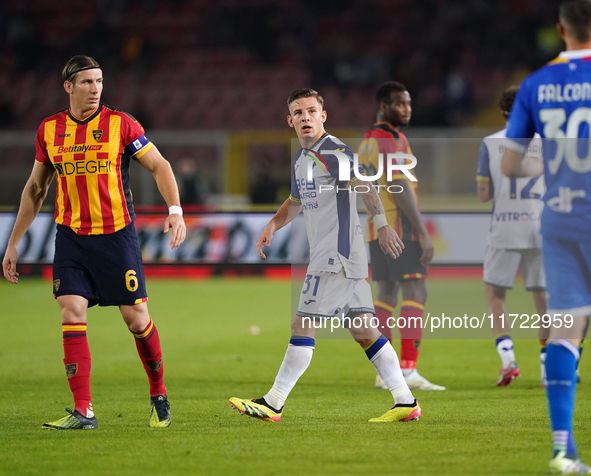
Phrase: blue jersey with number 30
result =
(555, 101)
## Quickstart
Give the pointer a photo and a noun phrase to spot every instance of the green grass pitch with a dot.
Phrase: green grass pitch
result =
(210, 355)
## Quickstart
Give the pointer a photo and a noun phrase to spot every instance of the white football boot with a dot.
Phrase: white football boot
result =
(561, 465)
(416, 381)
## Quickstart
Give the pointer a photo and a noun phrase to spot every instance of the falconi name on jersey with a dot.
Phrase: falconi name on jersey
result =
(564, 93)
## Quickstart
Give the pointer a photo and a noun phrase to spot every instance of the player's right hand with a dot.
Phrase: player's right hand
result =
(175, 223)
(390, 242)
(9, 264)
(264, 240)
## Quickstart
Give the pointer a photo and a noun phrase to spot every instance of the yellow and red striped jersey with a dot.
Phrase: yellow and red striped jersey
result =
(383, 138)
(92, 159)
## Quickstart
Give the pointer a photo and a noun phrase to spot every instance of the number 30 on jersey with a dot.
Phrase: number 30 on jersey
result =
(568, 145)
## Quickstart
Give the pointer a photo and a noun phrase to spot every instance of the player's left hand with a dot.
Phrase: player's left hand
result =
(427, 247)
(175, 223)
(390, 242)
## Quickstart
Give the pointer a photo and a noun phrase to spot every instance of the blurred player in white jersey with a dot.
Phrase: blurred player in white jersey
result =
(335, 282)
(514, 239)
(555, 102)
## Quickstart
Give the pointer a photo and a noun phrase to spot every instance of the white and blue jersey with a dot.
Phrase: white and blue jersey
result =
(555, 101)
(515, 219)
(330, 213)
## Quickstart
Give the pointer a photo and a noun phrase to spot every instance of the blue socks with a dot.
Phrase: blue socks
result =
(561, 365)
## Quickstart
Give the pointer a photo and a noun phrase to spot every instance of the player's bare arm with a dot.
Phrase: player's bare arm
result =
(389, 240)
(32, 198)
(484, 190)
(515, 164)
(408, 205)
(286, 213)
(160, 168)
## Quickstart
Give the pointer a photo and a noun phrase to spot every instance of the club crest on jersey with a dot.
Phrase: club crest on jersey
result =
(97, 134)
(56, 285)
(71, 370)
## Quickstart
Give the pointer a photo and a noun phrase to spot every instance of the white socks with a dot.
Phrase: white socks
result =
(506, 353)
(299, 355)
(296, 361)
(386, 363)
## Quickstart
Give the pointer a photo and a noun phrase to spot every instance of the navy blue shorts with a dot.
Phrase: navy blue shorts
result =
(105, 269)
(406, 266)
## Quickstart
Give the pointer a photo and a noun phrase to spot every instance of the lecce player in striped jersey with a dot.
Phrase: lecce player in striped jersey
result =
(90, 147)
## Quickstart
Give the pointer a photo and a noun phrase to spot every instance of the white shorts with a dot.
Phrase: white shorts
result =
(326, 295)
(501, 265)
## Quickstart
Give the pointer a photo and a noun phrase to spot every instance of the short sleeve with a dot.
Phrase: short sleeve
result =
(41, 154)
(133, 137)
(483, 171)
(534, 149)
(294, 195)
(389, 145)
(367, 150)
(332, 160)
(521, 127)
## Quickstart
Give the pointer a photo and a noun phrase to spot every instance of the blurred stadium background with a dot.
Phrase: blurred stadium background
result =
(209, 81)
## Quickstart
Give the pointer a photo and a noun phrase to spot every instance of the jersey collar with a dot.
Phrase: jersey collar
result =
(388, 125)
(89, 118)
(320, 139)
(575, 54)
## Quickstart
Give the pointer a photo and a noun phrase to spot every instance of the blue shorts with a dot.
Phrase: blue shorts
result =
(105, 269)
(568, 273)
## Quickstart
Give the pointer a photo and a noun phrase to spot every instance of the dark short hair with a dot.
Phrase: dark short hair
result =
(575, 15)
(305, 93)
(507, 99)
(385, 89)
(76, 64)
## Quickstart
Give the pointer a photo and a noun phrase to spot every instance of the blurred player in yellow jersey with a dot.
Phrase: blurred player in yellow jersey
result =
(408, 272)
